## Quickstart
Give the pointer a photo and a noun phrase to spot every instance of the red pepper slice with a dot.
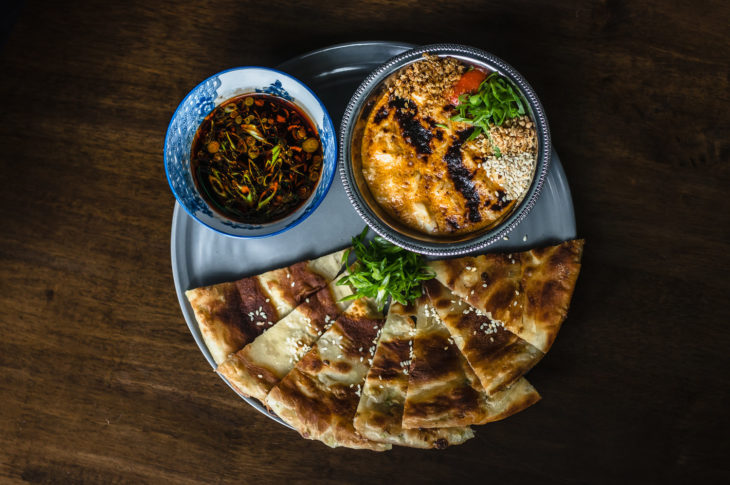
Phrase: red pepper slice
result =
(468, 83)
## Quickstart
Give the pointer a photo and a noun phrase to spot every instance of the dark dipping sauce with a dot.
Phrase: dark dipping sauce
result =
(256, 158)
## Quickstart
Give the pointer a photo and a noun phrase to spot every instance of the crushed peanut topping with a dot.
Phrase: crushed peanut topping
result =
(425, 82)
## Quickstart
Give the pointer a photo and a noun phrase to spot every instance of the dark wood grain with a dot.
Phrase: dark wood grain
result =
(100, 380)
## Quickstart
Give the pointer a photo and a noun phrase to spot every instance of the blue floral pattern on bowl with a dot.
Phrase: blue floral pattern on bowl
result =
(202, 100)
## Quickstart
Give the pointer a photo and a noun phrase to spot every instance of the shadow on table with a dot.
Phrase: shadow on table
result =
(10, 14)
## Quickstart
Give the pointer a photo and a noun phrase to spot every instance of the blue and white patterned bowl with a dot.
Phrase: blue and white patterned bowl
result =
(202, 100)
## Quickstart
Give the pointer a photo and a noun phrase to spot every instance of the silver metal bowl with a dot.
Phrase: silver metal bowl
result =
(351, 130)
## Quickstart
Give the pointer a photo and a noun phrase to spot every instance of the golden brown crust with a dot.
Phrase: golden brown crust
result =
(549, 277)
(232, 314)
(319, 397)
(497, 356)
(380, 411)
(261, 364)
(503, 404)
(528, 292)
(302, 283)
(440, 393)
(443, 390)
(489, 282)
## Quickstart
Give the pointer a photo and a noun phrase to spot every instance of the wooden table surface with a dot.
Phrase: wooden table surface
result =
(100, 379)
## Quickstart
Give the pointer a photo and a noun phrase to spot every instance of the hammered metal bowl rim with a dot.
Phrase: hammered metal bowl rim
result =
(480, 241)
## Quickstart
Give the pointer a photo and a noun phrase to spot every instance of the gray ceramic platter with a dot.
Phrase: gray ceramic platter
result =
(201, 256)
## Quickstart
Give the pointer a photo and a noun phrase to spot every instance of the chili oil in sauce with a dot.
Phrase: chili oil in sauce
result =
(256, 158)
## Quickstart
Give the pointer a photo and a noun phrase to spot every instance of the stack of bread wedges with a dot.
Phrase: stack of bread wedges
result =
(341, 372)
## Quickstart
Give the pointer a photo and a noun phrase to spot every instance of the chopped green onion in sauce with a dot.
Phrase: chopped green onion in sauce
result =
(256, 158)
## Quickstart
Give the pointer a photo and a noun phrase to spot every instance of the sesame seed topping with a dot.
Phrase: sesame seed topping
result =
(514, 169)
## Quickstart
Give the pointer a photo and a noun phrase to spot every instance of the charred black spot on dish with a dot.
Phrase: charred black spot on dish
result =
(461, 176)
(501, 202)
(406, 112)
(381, 115)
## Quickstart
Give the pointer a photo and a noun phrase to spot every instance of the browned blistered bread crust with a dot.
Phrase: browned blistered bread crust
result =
(232, 314)
(380, 411)
(319, 397)
(443, 390)
(222, 312)
(497, 356)
(548, 279)
(258, 367)
(440, 393)
(528, 292)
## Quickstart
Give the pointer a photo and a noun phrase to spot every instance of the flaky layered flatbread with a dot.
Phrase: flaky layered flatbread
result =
(261, 364)
(497, 356)
(443, 390)
(528, 292)
(380, 411)
(548, 280)
(232, 314)
(319, 397)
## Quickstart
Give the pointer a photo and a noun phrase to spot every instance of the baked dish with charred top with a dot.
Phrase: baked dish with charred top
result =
(449, 148)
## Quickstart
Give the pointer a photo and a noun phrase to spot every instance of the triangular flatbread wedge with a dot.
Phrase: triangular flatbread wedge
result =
(261, 364)
(548, 280)
(230, 315)
(380, 411)
(443, 390)
(528, 292)
(497, 356)
(320, 395)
